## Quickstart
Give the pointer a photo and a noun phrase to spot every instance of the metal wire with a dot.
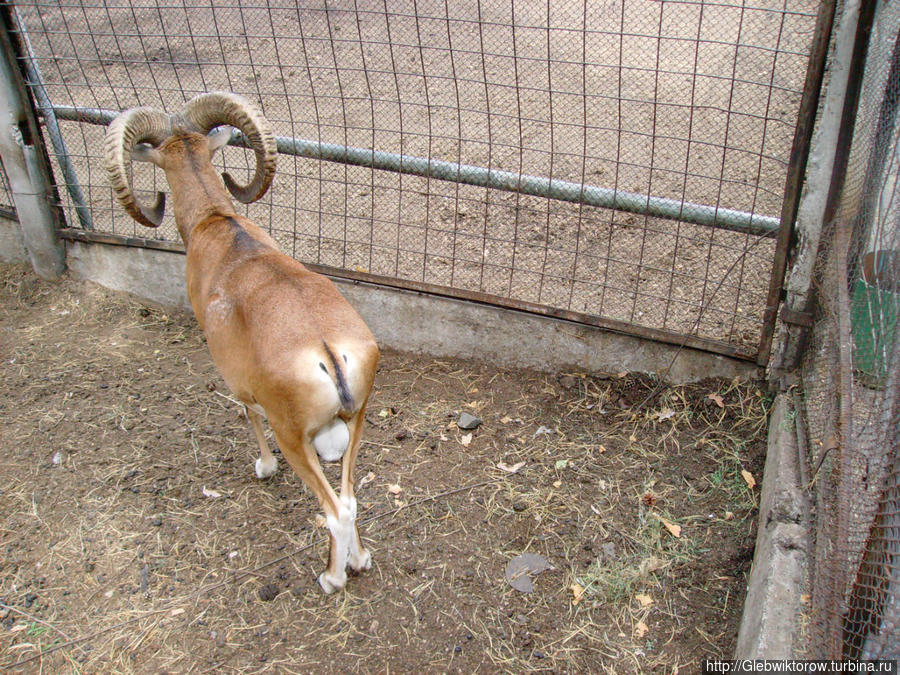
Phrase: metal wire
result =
(622, 108)
(851, 377)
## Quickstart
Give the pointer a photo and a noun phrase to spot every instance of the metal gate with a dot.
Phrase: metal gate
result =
(630, 164)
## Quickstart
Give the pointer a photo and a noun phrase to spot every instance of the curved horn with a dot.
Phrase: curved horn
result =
(137, 125)
(219, 107)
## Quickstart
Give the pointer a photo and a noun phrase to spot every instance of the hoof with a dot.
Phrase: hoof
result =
(266, 469)
(331, 584)
(361, 562)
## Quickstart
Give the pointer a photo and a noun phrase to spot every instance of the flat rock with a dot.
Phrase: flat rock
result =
(467, 421)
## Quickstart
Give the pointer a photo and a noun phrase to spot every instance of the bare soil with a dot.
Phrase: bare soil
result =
(135, 537)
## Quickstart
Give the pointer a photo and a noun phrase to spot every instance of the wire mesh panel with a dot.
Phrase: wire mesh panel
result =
(691, 102)
(851, 381)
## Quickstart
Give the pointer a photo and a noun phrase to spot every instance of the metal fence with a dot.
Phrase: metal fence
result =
(850, 408)
(618, 163)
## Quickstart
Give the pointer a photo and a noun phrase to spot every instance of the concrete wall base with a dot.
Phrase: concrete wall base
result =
(12, 247)
(421, 323)
(770, 621)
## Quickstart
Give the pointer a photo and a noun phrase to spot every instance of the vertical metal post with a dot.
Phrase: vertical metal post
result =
(25, 165)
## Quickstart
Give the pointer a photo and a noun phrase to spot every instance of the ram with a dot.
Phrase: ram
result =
(287, 343)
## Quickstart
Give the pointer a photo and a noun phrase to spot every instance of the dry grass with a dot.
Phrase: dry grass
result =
(112, 559)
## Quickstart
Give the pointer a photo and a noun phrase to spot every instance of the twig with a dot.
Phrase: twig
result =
(35, 619)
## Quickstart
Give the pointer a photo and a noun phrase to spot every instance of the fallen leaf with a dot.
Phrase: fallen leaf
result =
(729, 515)
(368, 478)
(674, 529)
(601, 449)
(577, 592)
(210, 493)
(506, 419)
(395, 489)
(748, 477)
(520, 569)
(542, 431)
(641, 629)
(562, 463)
(177, 611)
(557, 483)
(510, 469)
(715, 398)
(651, 564)
(644, 599)
(665, 414)
(465, 439)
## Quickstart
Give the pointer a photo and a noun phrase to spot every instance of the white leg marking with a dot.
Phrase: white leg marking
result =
(359, 558)
(266, 467)
(341, 529)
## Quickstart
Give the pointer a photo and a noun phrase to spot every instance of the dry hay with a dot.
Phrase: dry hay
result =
(116, 555)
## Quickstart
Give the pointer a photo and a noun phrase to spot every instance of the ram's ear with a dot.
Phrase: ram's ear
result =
(144, 152)
(218, 138)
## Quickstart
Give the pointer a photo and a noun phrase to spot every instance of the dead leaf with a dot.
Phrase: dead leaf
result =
(520, 569)
(674, 529)
(510, 469)
(577, 592)
(506, 419)
(368, 478)
(748, 477)
(665, 414)
(465, 439)
(561, 464)
(395, 489)
(644, 599)
(210, 493)
(177, 611)
(729, 515)
(715, 398)
(557, 483)
(601, 449)
(641, 629)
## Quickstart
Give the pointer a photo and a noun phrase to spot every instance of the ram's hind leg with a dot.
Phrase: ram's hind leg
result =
(359, 557)
(267, 464)
(302, 457)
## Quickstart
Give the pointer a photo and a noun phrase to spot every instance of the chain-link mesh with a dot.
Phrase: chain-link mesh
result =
(689, 100)
(851, 381)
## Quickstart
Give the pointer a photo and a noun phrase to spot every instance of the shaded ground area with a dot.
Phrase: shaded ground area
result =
(134, 536)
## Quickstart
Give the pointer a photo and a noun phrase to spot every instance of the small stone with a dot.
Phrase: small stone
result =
(518, 507)
(156, 522)
(29, 599)
(609, 550)
(467, 421)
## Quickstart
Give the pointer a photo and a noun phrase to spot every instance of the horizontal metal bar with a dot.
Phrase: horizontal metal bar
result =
(622, 327)
(658, 207)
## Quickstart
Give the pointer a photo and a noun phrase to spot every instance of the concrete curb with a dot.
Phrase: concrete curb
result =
(769, 625)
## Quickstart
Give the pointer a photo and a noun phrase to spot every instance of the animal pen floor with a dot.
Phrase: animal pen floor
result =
(134, 536)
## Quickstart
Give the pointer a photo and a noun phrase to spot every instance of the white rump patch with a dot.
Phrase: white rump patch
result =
(332, 440)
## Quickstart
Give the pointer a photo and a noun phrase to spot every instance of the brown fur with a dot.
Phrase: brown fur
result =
(272, 327)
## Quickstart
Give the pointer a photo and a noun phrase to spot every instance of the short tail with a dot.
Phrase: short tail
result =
(340, 381)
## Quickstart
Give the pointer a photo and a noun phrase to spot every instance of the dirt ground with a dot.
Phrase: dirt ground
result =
(135, 537)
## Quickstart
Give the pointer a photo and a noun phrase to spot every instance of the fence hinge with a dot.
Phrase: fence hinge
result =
(796, 318)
